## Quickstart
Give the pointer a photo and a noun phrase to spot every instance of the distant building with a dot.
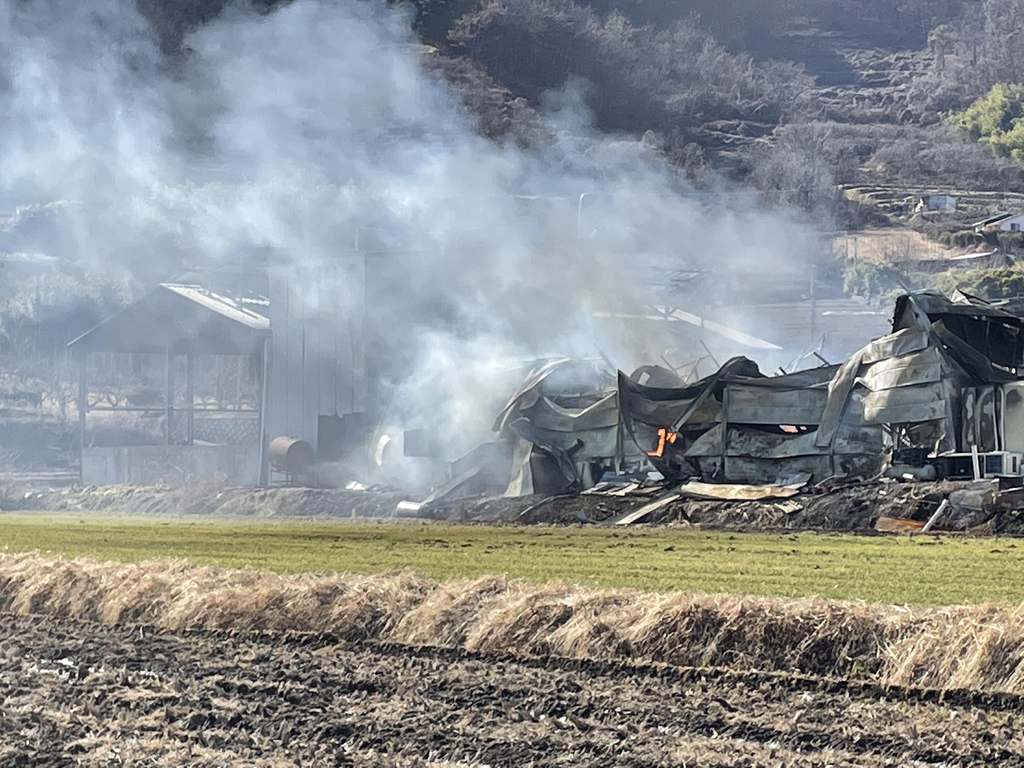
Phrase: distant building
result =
(1012, 224)
(936, 203)
(1005, 222)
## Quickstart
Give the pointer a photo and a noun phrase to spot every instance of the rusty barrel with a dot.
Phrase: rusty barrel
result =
(287, 454)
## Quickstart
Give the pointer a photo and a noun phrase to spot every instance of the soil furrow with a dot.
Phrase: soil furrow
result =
(80, 693)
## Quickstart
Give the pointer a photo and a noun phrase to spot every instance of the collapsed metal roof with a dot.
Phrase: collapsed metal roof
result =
(914, 387)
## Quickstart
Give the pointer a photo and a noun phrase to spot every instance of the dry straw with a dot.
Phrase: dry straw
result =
(960, 647)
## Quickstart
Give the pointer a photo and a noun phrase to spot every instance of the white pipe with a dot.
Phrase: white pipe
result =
(938, 513)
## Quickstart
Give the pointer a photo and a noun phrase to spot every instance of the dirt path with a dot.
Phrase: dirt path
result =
(75, 693)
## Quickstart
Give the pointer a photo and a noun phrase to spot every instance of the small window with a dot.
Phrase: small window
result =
(1015, 227)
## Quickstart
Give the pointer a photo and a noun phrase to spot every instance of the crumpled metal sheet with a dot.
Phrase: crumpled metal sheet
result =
(533, 387)
(896, 344)
(546, 414)
(567, 410)
(898, 379)
(924, 367)
(755, 443)
(727, 492)
(906, 405)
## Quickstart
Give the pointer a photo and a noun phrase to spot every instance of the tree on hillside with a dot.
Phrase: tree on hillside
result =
(997, 118)
(1003, 53)
(981, 47)
(670, 81)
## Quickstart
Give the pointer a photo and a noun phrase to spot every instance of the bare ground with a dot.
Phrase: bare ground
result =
(81, 693)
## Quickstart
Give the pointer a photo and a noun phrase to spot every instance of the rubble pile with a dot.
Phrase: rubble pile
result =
(938, 403)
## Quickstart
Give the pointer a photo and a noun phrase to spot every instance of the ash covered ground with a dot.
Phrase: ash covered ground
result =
(855, 508)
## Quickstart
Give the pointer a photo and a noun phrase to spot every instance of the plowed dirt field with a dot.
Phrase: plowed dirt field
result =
(79, 693)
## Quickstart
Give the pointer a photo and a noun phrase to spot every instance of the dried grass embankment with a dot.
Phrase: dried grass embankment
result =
(978, 647)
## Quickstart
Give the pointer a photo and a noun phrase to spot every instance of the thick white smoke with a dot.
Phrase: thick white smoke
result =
(302, 128)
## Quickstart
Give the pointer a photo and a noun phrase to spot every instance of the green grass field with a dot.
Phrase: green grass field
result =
(920, 569)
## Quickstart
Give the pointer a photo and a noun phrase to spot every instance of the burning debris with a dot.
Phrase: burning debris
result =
(941, 397)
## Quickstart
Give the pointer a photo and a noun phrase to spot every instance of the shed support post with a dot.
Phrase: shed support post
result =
(812, 268)
(264, 478)
(190, 397)
(725, 431)
(169, 397)
(83, 409)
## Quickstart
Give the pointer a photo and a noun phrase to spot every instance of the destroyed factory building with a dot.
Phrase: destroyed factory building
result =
(940, 396)
(942, 385)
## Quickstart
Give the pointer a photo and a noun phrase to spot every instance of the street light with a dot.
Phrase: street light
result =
(579, 214)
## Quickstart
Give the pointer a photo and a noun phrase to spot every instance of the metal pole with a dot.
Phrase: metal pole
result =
(935, 517)
(190, 397)
(264, 475)
(579, 216)
(83, 409)
(169, 395)
(814, 299)
(725, 431)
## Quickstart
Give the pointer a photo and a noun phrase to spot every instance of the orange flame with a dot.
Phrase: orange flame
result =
(664, 437)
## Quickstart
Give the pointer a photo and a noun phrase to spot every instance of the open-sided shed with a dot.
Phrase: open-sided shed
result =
(173, 432)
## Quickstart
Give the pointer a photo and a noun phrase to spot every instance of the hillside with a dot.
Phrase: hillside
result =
(795, 96)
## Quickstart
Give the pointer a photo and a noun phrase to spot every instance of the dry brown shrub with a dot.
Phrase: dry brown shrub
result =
(961, 647)
(978, 647)
(451, 611)
(601, 624)
(176, 595)
(524, 620)
(808, 635)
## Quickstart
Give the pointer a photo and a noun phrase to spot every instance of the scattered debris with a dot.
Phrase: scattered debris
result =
(939, 398)
(887, 524)
(711, 491)
(638, 515)
(789, 507)
(938, 513)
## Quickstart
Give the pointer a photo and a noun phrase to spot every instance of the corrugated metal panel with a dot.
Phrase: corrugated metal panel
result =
(312, 361)
(547, 414)
(596, 442)
(895, 345)
(759, 405)
(318, 357)
(923, 367)
(292, 358)
(222, 305)
(905, 405)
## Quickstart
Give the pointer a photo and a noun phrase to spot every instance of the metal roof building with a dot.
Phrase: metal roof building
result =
(295, 361)
(174, 434)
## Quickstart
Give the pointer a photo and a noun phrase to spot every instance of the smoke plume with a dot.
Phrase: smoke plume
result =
(313, 130)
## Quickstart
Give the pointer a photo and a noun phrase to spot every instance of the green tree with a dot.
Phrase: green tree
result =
(997, 118)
